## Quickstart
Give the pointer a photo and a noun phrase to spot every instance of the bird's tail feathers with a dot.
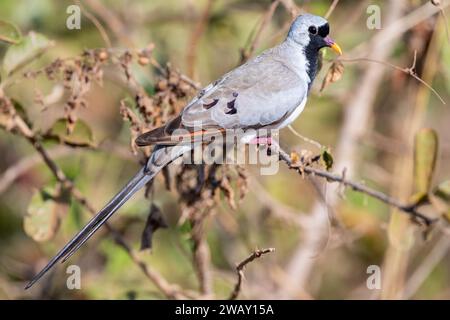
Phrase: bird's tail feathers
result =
(160, 157)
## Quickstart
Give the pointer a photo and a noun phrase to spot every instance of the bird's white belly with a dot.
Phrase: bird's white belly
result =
(293, 115)
(248, 136)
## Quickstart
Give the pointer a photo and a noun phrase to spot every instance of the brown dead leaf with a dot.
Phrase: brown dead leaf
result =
(295, 157)
(334, 74)
(154, 222)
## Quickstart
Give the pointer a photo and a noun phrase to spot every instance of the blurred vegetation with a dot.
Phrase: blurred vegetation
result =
(204, 39)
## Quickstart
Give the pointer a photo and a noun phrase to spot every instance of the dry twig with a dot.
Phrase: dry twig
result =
(247, 53)
(331, 177)
(171, 291)
(240, 270)
(408, 70)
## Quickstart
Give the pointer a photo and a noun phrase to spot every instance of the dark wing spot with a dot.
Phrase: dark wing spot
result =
(231, 106)
(211, 104)
(235, 94)
(201, 93)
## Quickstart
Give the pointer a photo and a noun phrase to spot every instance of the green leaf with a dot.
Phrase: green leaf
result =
(81, 134)
(425, 155)
(327, 159)
(19, 55)
(9, 33)
(42, 219)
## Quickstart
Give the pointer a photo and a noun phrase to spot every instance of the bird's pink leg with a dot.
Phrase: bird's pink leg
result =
(261, 140)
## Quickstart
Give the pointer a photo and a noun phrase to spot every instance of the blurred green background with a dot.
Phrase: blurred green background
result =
(335, 262)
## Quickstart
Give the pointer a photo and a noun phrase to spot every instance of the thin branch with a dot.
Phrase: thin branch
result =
(18, 169)
(331, 177)
(96, 23)
(306, 139)
(410, 71)
(290, 6)
(401, 25)
(202, 255)
(444, 17)
(191, 56)
(22, 166)
(277, 208)
(186, 79)
(246, 54)
(426, 266)
(331, 9)
(111, 19)
(171, 291)
(240, 270)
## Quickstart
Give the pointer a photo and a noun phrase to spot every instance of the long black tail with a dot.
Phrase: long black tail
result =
(161, 157)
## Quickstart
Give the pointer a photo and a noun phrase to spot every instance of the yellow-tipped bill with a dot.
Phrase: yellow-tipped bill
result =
(333, 45)
(336, 48)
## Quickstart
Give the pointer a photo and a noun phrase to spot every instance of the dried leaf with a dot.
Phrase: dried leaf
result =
(19, 55)
(334, 74)
(9, 33)
(155, 221)
(295, 157)
(425, 155)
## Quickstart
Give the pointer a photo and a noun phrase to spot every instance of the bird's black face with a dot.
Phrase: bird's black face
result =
(318, 38)
(310, 33)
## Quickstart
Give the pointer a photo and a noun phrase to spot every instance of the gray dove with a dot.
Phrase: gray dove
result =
(269, 91)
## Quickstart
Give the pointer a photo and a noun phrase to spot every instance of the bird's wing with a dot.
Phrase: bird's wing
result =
(259, 93)
(262, 92)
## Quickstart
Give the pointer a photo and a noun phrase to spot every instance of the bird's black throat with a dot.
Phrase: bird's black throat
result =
(312, 57)
(316, 42)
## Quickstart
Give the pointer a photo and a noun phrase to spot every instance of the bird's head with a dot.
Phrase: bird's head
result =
(312, 31)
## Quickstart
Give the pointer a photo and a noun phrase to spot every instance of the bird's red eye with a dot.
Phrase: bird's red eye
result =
(312, 30)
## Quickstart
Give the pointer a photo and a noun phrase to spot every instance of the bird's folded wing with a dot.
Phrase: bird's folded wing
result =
(262, 92)
(259, 93)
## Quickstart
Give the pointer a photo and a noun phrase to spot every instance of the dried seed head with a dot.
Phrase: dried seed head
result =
(103, 55)
(143, 61)
(162, 85)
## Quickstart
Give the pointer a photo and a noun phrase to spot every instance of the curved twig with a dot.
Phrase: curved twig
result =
(240, 270)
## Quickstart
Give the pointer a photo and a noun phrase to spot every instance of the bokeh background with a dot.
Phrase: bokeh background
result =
(325, 236)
